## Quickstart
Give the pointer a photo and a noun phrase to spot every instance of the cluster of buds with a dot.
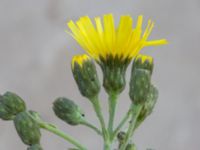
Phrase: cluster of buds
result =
(13, 107)
(142, 91)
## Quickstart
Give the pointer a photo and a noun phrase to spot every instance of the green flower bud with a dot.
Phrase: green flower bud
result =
(13, 103)
(143, 62)
(114, 70)
(131, 147)
(139, 85)
(35, 147)
(148, 105)
(68, 111)
(121, 136)
(85, 75)
(4, 114)
(27, 128)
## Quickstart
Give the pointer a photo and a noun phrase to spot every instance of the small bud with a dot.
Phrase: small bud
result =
(35, 147)
(4, 114)
(143, 62)
(85, 75)
(27, 128)
(131, 147)
(139, 85)
(68, 111)
(121, 136)
(148, 105)
(13, 103)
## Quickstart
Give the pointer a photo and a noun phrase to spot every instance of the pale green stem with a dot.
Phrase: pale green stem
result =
(97, 108)
(85, 123)
(123, 121)
(51, 128)
(112, 106)
(56, 131)
(136, 112)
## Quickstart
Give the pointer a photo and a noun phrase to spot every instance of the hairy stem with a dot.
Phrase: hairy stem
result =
(136, 112)
(97, 108)
(112, 107)
(59, 133)
(123, 121)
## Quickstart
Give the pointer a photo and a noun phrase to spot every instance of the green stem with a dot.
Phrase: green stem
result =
(91, 126)
(97, 108)
(123, 121)
(112, 107)
(136, 112)
(56, 131)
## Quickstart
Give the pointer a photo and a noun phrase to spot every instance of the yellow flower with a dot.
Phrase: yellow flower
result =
(112, 47)
(103, 40)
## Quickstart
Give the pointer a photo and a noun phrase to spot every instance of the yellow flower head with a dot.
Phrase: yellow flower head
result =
(103, 40)
(112, 47)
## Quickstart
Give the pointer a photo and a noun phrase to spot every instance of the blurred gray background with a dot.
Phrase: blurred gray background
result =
(35, 55)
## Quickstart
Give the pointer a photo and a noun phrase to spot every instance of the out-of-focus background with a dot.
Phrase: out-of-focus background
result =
(35, 55)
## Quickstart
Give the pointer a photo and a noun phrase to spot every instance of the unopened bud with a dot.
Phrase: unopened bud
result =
(27, 128)
(121, 136)
(13, 103)
(139, 85)
(68, 111)
(85, 75)
(148, 105)
(4, 114)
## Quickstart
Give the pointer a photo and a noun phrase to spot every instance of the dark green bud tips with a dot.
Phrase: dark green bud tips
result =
(10, 105)
(143, 62)
(27, 128)
(35, 147)
(131, 147)
(68, 111)
(139, 85)
(148, 105)
(85, 75)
